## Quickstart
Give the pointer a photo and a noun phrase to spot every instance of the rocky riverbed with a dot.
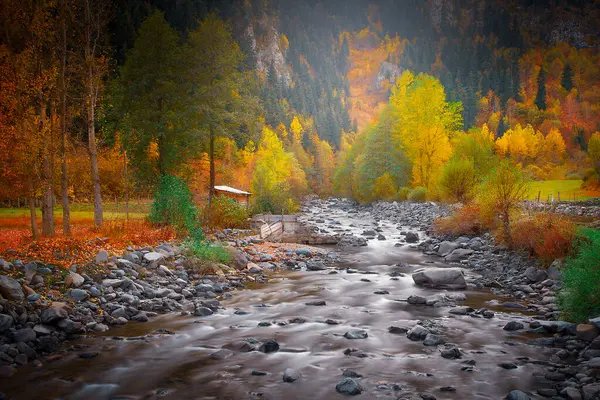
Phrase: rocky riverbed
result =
(390, 312)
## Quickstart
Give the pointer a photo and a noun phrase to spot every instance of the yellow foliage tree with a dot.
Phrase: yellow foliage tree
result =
(554, 149)
(522, 144)
(425, 122)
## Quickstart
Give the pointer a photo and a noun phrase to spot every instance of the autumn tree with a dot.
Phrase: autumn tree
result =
(425, 123)
(148, 102)
(594, 151)
(221, 95)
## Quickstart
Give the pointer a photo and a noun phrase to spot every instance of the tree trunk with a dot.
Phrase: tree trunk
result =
(31, 199)
(94, 164)
(91, 117)
(47, 212)
(211, 156)
(66, 211)
(126, 185)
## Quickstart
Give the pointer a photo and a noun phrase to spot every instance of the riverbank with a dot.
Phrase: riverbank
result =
(359, 317)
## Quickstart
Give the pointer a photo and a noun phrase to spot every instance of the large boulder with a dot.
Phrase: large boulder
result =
(74, 279)
(412, 237)
(446, 248)
(154, 259)
(535, 275)
(11, 289)
(440, 278)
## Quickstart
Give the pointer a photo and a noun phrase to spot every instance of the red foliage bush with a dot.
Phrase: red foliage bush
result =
(466, 221)
(545, 236)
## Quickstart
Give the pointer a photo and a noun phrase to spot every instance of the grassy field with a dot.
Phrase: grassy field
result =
(568, 190)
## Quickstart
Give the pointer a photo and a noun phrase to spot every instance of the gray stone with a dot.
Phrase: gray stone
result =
(458, 254)
(348, 387)
(417, 333)
(446, 248)
(74, 279)
(79, 294)
(24, 335)
(221, 354)
(69, 326)
(154, 259)
(411, 237)
(11, 289)
(6, 321)
(449, 278)
(356, 334)
(53, 314)
(433, 340)
(513, 326)
(535, 275)
(269, 346)
(517, 395)
(290, 375)
(571, 393)
(30, 270)
(96, 391)
(102, 257)
(451, 352)
(414, 299)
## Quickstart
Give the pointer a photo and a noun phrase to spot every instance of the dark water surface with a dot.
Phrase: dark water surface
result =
(179, 365)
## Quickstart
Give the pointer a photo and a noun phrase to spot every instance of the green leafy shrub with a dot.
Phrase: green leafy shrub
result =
(579, 297)
(174, 206)
(418, 194)
(403, 193)
(458, 180)
(209, 252)
(227, 213)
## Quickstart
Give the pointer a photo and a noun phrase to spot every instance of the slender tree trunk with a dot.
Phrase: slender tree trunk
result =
(31, 200)
(66, 211)
(47, 212)
(211, 156)
(126, 185)
(91, 117)
(94, 164)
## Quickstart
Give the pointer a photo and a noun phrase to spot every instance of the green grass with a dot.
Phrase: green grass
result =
(567, 189)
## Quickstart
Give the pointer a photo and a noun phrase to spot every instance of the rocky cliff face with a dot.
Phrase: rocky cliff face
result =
(387, 71)
(265, 39)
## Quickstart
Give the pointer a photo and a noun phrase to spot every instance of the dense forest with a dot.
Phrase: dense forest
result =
(369, 99)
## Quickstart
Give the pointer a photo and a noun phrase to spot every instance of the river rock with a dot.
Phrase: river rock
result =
(269, 346)
(79, 294)
(448, 278)
(446, 248)
(517, 395)
(53, 314)
(348, 387)
(587, 332)
(290, 375)
(417, 333)
(451, 352)
(415, 299)
(411, 237)
(11, 289)
(154, 259)
(102, 257)
(69, 326)
(458, 254)
(535, 275)
(74, 280)
(571, 393)
(6, 321)
(356, 334)
(513, 326)
(221, 354)
(433, 340)
(24, 335)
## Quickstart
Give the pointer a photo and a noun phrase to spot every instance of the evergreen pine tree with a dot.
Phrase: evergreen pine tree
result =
(567, 78)
(540, 98)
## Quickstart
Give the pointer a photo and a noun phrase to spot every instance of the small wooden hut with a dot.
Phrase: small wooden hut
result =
(238, 195)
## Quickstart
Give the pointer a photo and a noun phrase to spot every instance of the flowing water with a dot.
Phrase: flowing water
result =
(142, 364)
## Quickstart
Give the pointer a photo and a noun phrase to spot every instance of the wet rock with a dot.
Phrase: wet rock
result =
(11, 289)
(397, 330)
(88, 355)
(348, 373)
(417, 333)
(356, 334)
(348, 387)
(451, 352)
(79, 295)
(290, 375)
(203, 312)
(6, 371)
(269, 346)
(96, 391)
(449, 278)
(508, 365)
(221, 354)
(411, 237)
(571, 393)
(517, 395)
(316, 303)
(69, 326)
(554, 326)
(513, 326)
(381, 291)
(415, 299)
(433, 340)
(259, 373)
(547, 392)
(355, 353)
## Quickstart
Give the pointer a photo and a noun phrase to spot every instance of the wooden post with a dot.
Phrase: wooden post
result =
(558, 197)
(539, 194)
